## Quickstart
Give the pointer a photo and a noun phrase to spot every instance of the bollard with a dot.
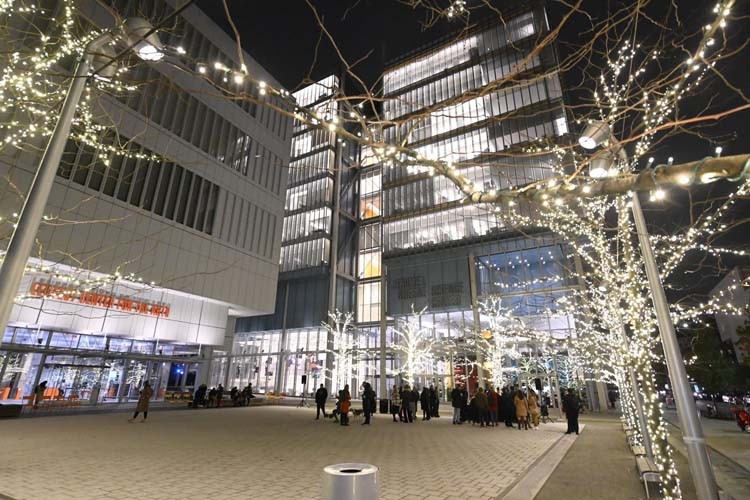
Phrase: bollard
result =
(350, 482)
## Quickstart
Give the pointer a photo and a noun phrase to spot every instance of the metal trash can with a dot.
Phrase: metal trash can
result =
(350, 481)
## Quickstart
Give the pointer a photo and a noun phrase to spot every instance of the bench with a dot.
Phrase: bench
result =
(647, 471)
(638, 450)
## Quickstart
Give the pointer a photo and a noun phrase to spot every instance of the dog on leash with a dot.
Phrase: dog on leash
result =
(356, 414)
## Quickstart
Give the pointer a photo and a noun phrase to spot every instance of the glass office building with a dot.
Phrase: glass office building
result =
(317, 261)
(474, 100)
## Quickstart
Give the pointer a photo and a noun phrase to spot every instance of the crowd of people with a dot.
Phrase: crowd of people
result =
(214, 398)
(489, 407)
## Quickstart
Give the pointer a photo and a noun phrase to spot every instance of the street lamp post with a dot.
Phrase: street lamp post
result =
(139, 35)
(692, 432)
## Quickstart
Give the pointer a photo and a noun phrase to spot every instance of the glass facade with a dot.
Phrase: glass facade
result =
(92, 369)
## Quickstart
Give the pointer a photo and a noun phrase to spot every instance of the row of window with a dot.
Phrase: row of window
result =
(369, 236)
(316, 91)
(459, 52)
(311, 140)
(436, 190)
(368, 302)
(194, 121)
(310, 167)
(494, 138)
(495, 104)
(311, 223)
(305, 254)
(459, 223)
(198, 48)
(495, 68)
(246, 225)
(523, 270)
(161, 187)
(310, 195)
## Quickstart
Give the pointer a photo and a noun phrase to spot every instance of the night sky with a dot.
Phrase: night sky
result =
(281, 36)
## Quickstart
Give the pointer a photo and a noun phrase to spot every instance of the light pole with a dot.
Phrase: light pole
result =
(595, 134)
(138, 34)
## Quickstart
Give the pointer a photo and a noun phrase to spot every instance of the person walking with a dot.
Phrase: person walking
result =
(571, 405)
(395, 403)
(522, 410)
(144, 398)
(493, 401)
(368, 402)
(480, 406)
(321, 395)
(457, 402)
(534, 410)
(345, 400)
(424, 400)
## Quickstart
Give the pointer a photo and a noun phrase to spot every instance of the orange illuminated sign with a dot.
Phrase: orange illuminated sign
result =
(98, 299)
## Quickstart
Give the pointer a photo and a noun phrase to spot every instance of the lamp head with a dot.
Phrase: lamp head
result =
(594, 135)
(102, 64)
(143, 39)
(601, 166)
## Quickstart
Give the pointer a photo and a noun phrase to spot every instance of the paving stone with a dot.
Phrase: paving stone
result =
(266, 452)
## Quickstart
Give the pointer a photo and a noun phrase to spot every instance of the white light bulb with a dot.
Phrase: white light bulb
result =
(683, 179)
(718, 150)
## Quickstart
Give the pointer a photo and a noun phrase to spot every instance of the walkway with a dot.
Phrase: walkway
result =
(261, 452)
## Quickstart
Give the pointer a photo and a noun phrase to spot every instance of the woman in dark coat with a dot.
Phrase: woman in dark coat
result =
(143, 401)
(509, 409)
(434, 403)
(425, 403)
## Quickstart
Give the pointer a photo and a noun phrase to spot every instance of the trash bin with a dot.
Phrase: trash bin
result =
(384, 406)
(350, 481)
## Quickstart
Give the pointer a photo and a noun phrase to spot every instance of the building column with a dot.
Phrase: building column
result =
(383, 337)
(475, 310)
(123, 378)
(281, 363)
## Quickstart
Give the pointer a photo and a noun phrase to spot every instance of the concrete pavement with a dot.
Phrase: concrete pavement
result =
(263, 452)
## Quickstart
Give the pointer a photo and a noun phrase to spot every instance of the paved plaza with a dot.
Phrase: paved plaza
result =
(271, 452)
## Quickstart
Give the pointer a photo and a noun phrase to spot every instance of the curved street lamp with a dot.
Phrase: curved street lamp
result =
(98, 56)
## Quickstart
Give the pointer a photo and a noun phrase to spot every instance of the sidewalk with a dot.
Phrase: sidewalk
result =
(598, 465)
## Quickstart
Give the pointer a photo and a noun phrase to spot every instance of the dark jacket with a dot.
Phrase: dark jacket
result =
(570, 405)
(424, 398)
(368, 398)
(457, 400)
(321, 395)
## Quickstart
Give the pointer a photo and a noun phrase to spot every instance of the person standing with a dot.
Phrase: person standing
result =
(434, 402)
(480, 406)
(509, 409)
(321, 395)
(424, 399)
(612, 395)
(457, 402)
(492, 404)
(413, 401)
(571, 405)
(395, 403)
(534, 410)
(39, 393)
(219, 395)
(368, 402)
(345, 400)
(144, 398)
(406, 404)
(522, 410)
